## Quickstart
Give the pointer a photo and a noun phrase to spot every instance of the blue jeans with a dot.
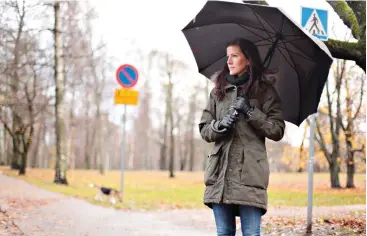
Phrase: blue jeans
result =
(225, 219)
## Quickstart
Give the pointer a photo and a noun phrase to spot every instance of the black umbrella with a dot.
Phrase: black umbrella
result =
(303, 61)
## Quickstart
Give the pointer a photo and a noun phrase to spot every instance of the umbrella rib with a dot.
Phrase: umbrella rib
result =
(285, 45)
(265, 39)
(262, 29)
(282, 47)
(265, 44)
(280, 30)
(293, 35)
(305, 57)
(291, 64)
(287, 41)
(242, 26)
(299, 85)
(262, 23)
(282, 35)
(292, 40)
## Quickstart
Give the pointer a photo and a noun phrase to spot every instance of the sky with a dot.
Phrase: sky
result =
(157, 25)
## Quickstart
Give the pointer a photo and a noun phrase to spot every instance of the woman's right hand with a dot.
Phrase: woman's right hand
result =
(227, 122)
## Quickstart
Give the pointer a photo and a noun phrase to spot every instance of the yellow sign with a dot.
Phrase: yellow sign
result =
(126, 96)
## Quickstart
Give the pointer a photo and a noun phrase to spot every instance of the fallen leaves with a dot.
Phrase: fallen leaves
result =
(7, 226)
(321, 226)
(22, 203)
(356, 224)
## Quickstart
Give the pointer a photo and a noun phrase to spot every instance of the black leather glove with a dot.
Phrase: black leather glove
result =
(227, 122)
(243, 106)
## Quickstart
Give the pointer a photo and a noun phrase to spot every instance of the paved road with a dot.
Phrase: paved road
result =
(40, 212)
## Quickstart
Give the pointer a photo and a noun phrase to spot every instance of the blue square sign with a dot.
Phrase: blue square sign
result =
(315, 21)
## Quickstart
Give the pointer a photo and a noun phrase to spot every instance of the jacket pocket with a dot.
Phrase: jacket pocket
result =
(255, 168)
(212, 170)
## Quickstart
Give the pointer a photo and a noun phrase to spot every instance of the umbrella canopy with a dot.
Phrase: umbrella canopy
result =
(303, 61)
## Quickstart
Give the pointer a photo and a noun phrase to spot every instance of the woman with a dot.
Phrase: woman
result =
(237, 174)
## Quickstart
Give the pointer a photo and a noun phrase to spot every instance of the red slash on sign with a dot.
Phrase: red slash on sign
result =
(127, 76)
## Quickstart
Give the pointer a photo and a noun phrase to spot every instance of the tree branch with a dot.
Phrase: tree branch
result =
(8, 129)
(360, 98)
(358, 150)
(348, 51)
(347, 15)
(330, 111)
(359, 9)
(321, 141)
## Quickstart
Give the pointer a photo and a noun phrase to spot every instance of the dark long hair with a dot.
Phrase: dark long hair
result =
(259, 76)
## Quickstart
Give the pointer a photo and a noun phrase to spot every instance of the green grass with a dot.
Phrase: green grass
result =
(154, 190)
(293, 198)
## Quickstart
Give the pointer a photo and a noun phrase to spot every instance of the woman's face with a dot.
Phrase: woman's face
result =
(236, 61)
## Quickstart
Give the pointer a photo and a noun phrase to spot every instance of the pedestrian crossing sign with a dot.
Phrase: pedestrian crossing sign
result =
(315, 21)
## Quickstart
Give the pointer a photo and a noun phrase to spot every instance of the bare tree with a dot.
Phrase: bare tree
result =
(354, 101)
(142, 122)
(22, 73)
(169, 67)
(73, 69)
(333, 156)
(61, 159)
(191, 124)
(11, 70)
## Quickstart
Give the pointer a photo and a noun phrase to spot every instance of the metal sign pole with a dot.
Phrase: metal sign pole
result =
(127, 76)
(123, 148)
(311, 151)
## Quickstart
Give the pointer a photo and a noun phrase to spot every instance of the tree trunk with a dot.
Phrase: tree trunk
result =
(4, 159)
(163, 148)
(86, 144)
(172, 155)
(334, 174)
(22, 167)
(192, 150)
(61, 162)
(191, 133)
(35, 160)
(15, 156)
(172, 126)
(162, 160)
(182, 145)
(71, 130)
(350, 165)
(42, 158)
(26, 142)
(101, 152)
(14, 89)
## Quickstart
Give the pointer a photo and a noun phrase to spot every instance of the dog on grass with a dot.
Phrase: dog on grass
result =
(112, 194)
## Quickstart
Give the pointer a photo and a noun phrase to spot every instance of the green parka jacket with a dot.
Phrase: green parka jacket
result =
(238, 168)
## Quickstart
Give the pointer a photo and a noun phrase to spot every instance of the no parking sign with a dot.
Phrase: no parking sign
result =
(127, 76)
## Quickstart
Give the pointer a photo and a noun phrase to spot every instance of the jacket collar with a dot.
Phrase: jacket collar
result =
(229, 87)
